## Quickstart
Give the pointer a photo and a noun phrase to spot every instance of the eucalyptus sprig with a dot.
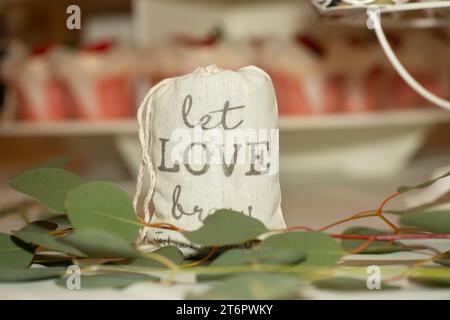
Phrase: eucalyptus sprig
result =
(94, 226)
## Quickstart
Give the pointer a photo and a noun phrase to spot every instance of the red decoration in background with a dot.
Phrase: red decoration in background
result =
(290, 95)
(377, 88)
(42, 49)
(100, 47)
(334, 93)
(401, 95)
(116, 97)
(432, 82)
(311, 44)
(56, 105)
(195, 41)
(374, 88)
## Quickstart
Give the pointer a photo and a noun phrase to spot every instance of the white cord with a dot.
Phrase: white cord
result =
(374, 15)
(402, 6)
(144, 121)
(358, 2)
(144, 117)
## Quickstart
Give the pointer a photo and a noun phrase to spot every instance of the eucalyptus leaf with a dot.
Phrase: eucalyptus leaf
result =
(170, 252)
(253, 287)
(97, 243)
(103, 206)
(321, 250)
(425, 184)
(12, 254)
(254, 258)
(40, 227)
(18, 274)
(348, 284)
(434, 205)
(279, 256)
(434, 221)
(48, 185)
(431, 276)
(109, 280)
(47, 241)
(226, 227)
(376, 247)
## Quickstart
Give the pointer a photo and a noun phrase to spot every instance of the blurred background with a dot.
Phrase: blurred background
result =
(351, 130)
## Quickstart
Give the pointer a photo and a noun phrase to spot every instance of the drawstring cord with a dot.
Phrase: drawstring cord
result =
(144, 116)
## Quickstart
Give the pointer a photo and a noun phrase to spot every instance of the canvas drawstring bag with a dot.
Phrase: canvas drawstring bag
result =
(209, 141)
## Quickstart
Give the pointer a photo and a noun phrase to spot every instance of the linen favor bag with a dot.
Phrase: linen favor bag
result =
(209, 141)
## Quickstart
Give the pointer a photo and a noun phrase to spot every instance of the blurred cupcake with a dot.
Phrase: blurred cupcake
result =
(354, 76)
(100, 78)
(296, 72)
(41, 94)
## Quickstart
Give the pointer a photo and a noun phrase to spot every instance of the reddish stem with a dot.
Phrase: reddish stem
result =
(304, 228)
(391, 237)
(380, 208)
(379, 212)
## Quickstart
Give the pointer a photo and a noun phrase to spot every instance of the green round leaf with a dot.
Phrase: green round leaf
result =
(320, 249)
(348, 284)
(97, 243)
(226, 227)
(170, 252)
(16, 275)
(252, 258)
(376, 247)
(47, 241)
(102, 206)
(271, 256)
(425, 184)
(109, 280)
(12, 254)
(48, 185)
(40, 226)
(434, 221)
